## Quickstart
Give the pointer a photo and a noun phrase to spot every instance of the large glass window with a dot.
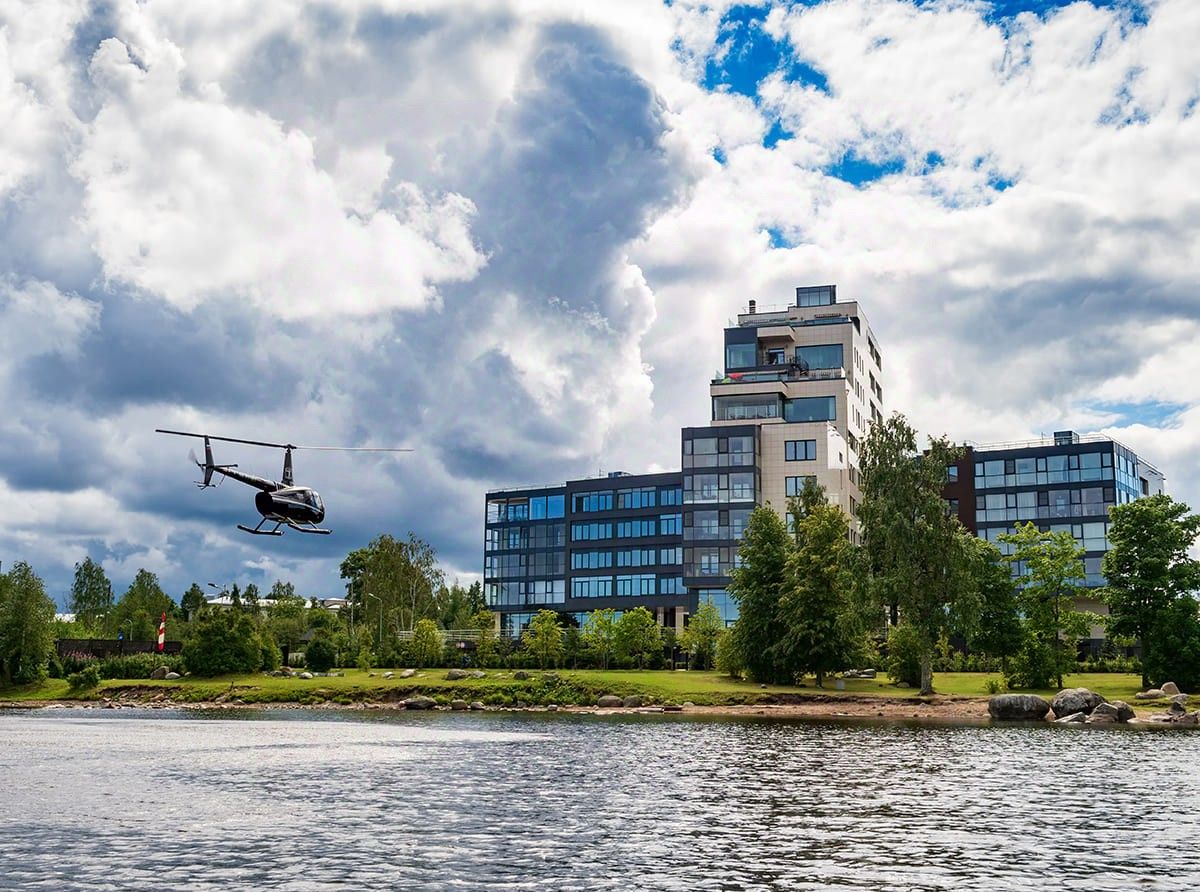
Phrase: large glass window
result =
(592, 501)
(810, 408)
(741, 356)
(582, 532)
(672, 496)
(741, 487)
(723, 601)
(637, 498)
(591, 560)
(795, 485)
(592, 587)
(670, 524)
(632, 529)
(641, 584)
(800, 450)
(555, 505)
(746, 407)
(822, 356)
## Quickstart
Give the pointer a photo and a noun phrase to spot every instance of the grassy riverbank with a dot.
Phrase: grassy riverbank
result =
(500, 688)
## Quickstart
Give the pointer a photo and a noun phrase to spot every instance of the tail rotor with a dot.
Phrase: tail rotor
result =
(207, 465)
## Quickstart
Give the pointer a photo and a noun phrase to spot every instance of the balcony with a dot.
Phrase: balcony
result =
(770, 374)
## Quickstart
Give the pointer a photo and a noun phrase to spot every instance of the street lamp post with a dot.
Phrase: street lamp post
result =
(380, 600)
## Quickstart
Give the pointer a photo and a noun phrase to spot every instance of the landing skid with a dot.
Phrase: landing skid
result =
(308, 528)
(259, 531)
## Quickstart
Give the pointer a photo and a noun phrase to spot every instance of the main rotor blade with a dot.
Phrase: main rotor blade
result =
(351, 449)
(159, 430)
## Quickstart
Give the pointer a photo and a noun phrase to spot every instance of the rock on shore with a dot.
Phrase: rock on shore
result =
(1018, 707)
(1072, 700)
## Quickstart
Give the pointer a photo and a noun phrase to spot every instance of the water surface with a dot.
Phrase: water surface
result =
(315, 801)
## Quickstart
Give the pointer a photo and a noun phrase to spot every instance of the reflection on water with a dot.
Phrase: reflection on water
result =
(294, 800)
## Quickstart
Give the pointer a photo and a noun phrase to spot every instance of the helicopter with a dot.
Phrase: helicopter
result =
(282, 503)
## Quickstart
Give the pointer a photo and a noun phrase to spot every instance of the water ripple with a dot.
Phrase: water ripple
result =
(306, 801)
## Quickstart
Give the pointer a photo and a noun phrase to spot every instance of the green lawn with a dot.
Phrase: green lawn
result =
(572, 686)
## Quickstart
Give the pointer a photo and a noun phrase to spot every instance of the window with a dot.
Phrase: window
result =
(592, 587)
(631, 529)
(810, 408)
(670, 556)
(800, 450)
(592, 501)
(555, 505)
(591, 560)
(671, 585)
(823, 356)
(795, 485)
(740, 356)
(741, 487)
(642, 584)
(745, 408)
(581, 532)
(952, 473)
(637, 557)
(670, 497)
(670, 525)
(725, 604)
(645, 497)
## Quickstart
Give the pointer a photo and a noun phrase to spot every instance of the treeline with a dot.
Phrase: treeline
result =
(393, 586)
(811, 602)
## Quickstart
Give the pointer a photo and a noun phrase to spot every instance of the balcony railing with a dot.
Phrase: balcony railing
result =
(772, 374)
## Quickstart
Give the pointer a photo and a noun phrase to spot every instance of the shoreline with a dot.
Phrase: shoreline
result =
(959, 711)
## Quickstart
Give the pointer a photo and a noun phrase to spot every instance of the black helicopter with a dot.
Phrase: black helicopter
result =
(282, 503)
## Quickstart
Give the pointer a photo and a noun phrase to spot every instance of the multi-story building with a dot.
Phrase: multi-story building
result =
(613, 541)
(1063, 484)
(801, 384)
(800, 387)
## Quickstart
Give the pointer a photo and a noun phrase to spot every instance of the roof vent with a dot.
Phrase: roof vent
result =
(753, 305)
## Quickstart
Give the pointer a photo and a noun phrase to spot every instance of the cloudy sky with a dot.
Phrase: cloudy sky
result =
(508, 234)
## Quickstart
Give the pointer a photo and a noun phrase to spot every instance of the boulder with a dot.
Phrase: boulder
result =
(553, 707)
(477, 706)
(478, 674)
(521, 675)
(866, 673)
(459, 705)
(1124, 711)
(306, 675)
(632, 701)
(672, 707)
(1170, 689)
(407, 673)
(457, 674)
(1181, 699)
(160, 673)
(1072, 719)
(1072, 700)
(1176, 708)
(1152, 694)
(419, 702)
(609, 701)
(1018, 707)
(550, 677)
(389, 674)
(1102, 718)
(171, 676)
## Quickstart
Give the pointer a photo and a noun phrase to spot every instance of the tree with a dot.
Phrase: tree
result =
(457, 605)
(599, 634)
(757, 586)
(1147, 568)
(221, 642)
(1176, 655)
(26, 625)
(192, 602)
(427, 644)
(637, 636)
(250, 598)
(91, 592)
(140, 608)
(484, 621)
(812, 494)
(820, 634)
(544, 639)
(320, 654)
(700, 637)
(393, 579)
(914, 556)
(998, 632)
(285, 616)
(1053, 563)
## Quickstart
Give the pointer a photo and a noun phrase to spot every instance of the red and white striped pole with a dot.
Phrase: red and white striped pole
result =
(162, 632)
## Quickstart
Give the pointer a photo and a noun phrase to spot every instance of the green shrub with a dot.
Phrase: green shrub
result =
(364, 661)
(84, 680)
(138, 665)
(904, 655)
(729, 655)
(270, 654)
(320, 655)
(995, 686)
(223, 641)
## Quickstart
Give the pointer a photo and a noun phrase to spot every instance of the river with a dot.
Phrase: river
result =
(312, 800)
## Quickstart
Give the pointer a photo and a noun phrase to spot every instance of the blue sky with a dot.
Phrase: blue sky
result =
(508, 234)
